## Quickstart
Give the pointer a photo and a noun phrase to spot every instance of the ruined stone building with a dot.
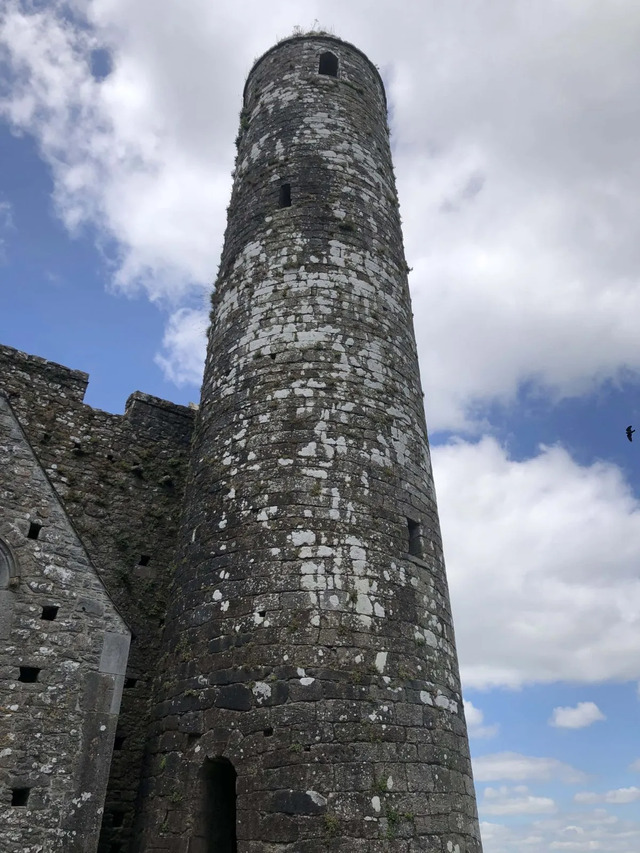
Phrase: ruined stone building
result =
(229, 630)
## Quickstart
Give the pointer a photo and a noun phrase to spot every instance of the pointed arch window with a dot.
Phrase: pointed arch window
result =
(7, 566)
(8, 582)
(328, 64)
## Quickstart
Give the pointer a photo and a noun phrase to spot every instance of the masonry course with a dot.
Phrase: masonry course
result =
(306, 693)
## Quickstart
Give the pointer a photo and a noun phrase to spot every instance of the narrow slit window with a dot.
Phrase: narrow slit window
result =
(20, 796)
(328, 64)
(285, 195)
(34, 530)
(415, 538)
(118, 743)
(49, 612)
(29, 674)
(117, 818)
(215, 826)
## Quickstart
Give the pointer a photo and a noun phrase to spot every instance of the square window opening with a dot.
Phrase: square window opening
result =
(29, 674)
(118, 743)
(20, 796)
(117, 818)
(144, 560)
(130, 682)
(49, 612)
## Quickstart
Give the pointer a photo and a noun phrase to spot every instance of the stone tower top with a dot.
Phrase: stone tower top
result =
(334, 44)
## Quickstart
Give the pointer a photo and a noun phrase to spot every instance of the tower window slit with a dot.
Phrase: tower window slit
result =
(118, 743)
(415, 538)
(285, 195)
(328, 64)
(34, 530)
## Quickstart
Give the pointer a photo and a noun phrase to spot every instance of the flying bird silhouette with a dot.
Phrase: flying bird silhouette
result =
(630, 432)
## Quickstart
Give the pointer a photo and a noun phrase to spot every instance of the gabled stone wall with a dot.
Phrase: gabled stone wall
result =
(121, 480)
(63, 655)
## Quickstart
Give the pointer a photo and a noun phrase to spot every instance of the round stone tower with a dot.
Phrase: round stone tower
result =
(310, 695)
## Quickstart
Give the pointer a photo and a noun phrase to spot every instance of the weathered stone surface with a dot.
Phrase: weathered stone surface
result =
(111, 473)
(308, 669)
(60, 679)
(309, 619)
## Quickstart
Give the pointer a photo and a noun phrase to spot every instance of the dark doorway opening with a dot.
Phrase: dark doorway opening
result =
(216, 823)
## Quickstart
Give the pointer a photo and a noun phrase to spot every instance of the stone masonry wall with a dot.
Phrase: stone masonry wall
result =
(121, 480)
(309, 647)
(63, 654)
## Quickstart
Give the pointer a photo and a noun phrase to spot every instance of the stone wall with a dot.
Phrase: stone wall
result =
(63, 654)
(121, 480)
(309, 647)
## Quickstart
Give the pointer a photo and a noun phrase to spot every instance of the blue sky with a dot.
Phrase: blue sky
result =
(515, 142)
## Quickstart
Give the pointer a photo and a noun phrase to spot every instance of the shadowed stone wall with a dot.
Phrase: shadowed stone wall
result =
(120, 478)
(308, 641)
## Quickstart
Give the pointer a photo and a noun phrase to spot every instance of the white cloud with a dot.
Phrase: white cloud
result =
(583, 715)
(542, 560)
(512, 766)
(515, 801)
(617, 796)
(184, 343)
(513, 144)
(6, 225)
(475, 722)
(579, 831)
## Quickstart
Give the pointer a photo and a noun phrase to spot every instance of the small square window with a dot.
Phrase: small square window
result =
(117, 818)
(118, 743)
(20, 796)
(49, 612)
(144, 560)
(130, 682)
(28, 674)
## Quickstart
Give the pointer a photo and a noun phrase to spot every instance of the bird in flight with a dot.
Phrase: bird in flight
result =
(630, 432)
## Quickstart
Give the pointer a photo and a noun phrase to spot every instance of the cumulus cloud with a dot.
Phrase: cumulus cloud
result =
(513, 142)
(615, 797)
(475, 722)
(595, 830)
(583, 715)
(512, 766)
(542, 558)
(515, 801)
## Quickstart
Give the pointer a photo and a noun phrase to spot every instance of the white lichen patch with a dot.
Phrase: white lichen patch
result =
(381, 661)
(262, 691)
